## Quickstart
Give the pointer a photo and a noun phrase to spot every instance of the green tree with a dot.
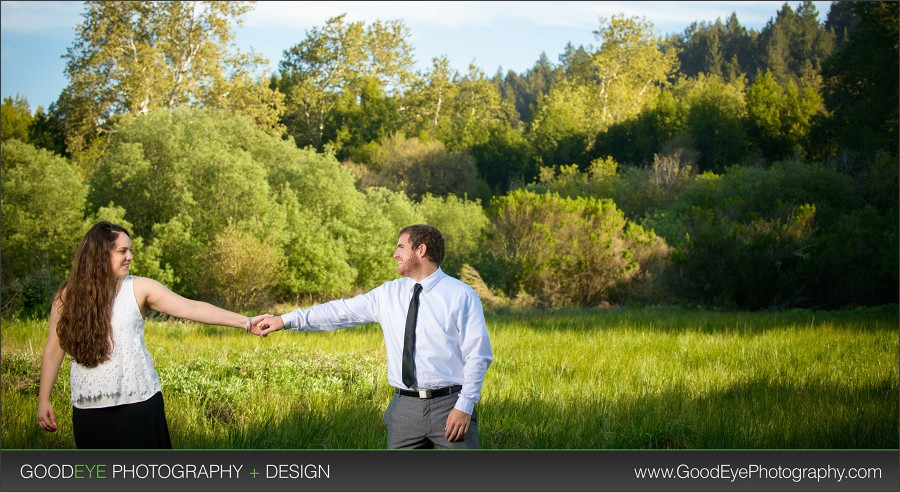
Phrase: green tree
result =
(737, 46)
(636, 141)
(774, 44)
(715, 58)
(136, 57)
(43, 211)
(523, 91)
(474, 109)
(563, 127)
(780, 118)
(176, 164)
(359, 121)
(689, 47)
(631, 67)
(714, 114)
(15, 119)
(713, 48)
(335, 237)
(575, 64)
(841, 20)
(504, 161)
(340, 59)
(860, 85)
(793, 45)
(47, 131)
(43, 207)
(184, 167)
(396, 206)
(428, 100)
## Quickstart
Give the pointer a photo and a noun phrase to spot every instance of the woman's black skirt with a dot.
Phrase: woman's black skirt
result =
(139, 425)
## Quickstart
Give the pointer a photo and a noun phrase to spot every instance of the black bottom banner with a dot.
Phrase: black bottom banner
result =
(471, 470)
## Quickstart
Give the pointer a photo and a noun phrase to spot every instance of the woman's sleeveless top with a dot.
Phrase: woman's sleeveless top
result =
(128, 376)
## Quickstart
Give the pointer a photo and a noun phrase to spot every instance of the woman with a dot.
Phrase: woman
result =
(97, 318)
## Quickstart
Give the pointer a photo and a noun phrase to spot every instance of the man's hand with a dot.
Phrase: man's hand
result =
(269, 325)
(254, 323)
(457, 425)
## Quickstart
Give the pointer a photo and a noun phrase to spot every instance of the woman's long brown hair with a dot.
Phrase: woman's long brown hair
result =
(86, 298)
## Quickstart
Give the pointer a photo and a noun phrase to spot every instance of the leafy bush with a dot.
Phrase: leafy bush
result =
(637, 191)
(399, 210)
(29, 295)
(42, 207)
(463, 224)
(241, 270)
(417, 167)
(792, 235)
(571, 251)
(182, 177)
(752, 265)
(856, 261)
(503, 160)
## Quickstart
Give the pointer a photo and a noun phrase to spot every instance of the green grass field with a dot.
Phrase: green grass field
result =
(601, 379)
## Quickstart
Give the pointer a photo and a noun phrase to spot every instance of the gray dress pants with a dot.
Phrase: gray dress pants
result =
(413, 422)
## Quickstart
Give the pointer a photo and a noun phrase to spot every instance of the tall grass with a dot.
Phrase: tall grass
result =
(599, 379)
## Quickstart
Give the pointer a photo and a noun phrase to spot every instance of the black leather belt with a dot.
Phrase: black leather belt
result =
(428, 394)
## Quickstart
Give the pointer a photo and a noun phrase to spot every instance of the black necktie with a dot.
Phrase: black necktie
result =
(409, 340)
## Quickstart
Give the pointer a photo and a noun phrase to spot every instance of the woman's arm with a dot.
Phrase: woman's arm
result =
(156, 296)
(50, 365)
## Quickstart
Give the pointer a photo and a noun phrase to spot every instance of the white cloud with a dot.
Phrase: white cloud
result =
(304, 15)
(291, 14)
(51, 17)
(580, 15)
(45, 18)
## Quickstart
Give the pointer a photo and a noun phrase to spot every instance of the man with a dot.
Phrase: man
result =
(438, 349)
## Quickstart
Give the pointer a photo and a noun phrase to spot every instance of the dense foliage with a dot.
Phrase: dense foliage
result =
(720, 166)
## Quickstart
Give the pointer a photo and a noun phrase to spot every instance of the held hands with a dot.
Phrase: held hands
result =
(264, 324)
(254, 323)
(268, 325)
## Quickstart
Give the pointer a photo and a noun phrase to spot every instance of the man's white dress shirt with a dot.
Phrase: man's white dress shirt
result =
(452, 344)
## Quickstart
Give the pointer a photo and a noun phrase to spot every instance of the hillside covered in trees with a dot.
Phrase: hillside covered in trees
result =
(717, 167)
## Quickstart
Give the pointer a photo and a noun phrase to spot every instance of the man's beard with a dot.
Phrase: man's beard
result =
(410, 267)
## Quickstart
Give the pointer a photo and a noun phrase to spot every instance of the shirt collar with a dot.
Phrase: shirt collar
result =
(428, 282)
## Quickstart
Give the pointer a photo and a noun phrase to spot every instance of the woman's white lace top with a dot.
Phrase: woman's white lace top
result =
(128, 376)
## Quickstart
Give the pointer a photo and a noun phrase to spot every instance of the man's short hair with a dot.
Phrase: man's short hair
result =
(430, 237)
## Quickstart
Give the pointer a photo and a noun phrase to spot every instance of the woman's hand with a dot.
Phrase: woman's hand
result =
(46, 417)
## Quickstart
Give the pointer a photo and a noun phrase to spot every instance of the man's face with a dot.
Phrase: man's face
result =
(408, 261)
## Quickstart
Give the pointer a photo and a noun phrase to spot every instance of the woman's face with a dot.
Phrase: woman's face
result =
(120, 256)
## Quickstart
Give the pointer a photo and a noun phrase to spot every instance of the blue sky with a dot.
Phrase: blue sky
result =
(492, 35)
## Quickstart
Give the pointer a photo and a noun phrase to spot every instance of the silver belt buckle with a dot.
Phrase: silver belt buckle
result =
(424, 394)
